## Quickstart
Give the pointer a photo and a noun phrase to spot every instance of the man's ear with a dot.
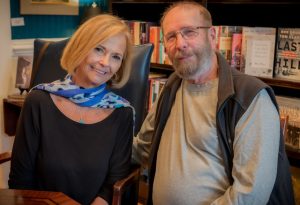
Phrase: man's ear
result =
(213, 37)
(212, 32)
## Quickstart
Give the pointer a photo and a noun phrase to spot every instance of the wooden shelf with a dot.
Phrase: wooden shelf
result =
(162, 67)
(281, 83)
(295, 85)
(293, 153)
(11, 112)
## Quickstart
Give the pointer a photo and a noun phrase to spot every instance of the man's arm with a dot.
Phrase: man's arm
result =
(143, 141)
(256, 146)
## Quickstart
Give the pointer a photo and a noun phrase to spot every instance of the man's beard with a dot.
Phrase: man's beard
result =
(194, 67)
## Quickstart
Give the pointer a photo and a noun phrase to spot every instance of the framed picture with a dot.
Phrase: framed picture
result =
(49, 7)
(24, 69)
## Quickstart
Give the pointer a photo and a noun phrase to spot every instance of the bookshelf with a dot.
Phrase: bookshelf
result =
(259, 13)
(268, 13)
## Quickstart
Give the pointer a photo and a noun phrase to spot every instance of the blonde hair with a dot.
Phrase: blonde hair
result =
(89, 35)
(187, 5)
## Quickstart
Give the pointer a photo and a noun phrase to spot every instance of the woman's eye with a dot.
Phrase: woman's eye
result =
(117, 57)
(100, 50)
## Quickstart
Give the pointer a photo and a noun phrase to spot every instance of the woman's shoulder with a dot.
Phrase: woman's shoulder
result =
(122, 114)
(127, 111)
(37, 96)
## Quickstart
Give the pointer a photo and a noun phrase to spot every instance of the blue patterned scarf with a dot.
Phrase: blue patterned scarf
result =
(98, 97)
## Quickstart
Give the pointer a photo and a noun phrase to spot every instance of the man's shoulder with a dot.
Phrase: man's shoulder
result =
(247, 81)
(172, 79)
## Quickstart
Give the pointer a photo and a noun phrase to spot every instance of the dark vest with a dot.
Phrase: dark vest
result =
(232, 104)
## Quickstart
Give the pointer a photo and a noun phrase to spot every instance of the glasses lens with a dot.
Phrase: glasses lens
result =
(170, 38)
(189, 33)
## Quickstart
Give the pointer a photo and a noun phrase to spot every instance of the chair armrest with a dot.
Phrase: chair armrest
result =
(123, 184)
(4, 157)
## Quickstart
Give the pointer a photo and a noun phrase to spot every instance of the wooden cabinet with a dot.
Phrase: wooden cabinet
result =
(11, 112)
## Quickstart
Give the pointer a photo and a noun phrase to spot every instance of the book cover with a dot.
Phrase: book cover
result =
(24, 69)
(236, 50)
(258, 49)
(156, 82)
(291, 107)
(154, 39)
(287, 63)
(224, 41)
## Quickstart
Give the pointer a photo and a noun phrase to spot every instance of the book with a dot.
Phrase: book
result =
(154, 39)
(258, 49)
(291, 107)
(224, 37)
(156, 82)
(224, 41)
(236, 50)
(287, 63)
(24, 69)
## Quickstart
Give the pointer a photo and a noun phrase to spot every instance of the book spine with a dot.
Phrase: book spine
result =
(236, 49)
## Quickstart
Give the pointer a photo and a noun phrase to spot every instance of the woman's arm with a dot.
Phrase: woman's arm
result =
(22, 172)
(120, 161)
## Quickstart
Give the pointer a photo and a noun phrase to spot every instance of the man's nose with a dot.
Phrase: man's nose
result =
(180, 40)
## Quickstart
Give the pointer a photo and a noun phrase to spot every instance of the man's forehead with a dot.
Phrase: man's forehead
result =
(180, 17)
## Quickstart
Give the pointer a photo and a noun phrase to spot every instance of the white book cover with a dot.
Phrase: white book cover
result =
(258, 49)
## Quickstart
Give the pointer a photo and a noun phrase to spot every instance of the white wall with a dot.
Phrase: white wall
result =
(7, 76)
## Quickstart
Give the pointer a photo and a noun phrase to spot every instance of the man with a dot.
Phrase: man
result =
(214, 135)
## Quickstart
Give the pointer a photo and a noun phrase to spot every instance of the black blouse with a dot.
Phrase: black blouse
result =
(54, 153)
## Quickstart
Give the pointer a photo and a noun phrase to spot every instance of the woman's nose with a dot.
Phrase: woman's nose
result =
(104, 59)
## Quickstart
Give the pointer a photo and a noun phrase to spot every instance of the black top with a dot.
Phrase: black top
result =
(54, 153)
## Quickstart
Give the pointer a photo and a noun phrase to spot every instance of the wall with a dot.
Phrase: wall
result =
(48, 26)
(6, 81)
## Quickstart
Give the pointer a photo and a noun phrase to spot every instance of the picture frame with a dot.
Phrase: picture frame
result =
(24, 70)
(49, 7)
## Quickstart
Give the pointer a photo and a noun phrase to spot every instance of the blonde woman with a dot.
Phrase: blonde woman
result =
(74, 135)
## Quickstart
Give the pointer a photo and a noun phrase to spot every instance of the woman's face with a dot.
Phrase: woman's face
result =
(101, 62)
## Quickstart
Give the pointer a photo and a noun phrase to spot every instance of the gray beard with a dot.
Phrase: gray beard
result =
(190, 70)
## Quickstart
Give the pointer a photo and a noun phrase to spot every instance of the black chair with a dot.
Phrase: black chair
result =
(46, 61)
(46, 68)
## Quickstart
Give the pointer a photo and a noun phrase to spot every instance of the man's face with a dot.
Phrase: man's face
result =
(188, 46)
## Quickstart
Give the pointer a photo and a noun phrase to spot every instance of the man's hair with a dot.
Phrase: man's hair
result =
(89, 35)
(188, 5)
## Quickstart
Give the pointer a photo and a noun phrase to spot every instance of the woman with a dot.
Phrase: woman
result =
(74, 136)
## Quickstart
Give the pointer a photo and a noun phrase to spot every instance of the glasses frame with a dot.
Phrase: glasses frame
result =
(183, 36)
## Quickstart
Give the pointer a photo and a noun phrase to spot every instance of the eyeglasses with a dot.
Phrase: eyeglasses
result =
(187, 33)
